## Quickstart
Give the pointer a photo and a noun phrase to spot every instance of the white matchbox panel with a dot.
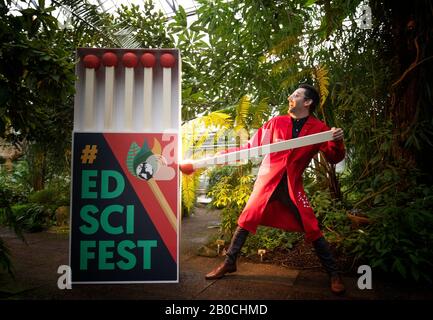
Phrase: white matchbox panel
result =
(140, 121)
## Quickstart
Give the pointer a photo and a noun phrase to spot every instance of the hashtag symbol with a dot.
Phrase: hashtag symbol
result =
(89, 154)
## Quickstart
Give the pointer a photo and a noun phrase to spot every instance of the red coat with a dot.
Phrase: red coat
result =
(274, 214)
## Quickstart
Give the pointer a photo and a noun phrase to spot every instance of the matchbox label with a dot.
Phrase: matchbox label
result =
(124, 208)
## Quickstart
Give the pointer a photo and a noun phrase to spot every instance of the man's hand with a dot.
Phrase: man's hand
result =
(337, 134)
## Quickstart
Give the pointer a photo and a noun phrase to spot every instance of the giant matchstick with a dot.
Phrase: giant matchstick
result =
(109, 60)
(148, 61)
(189, 167)
(145, 163)
(91, 63)
(130, 61)
(167, 62)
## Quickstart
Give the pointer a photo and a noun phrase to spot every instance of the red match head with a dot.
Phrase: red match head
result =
(148, 60)
(186, 168)
(130, 60)
(91, 61)
(168, 60)
(109, 59)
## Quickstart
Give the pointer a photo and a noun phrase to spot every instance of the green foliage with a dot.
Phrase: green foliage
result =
(194, 135)
(270, 239)
(399, 239)
(231, 193)
(146, 26)
(190, 185)
(16, 184)
(216, 174)
(7, 218)
(376, 84)
(33, 217)
(44, 197)
(5, 258)
(36, 77)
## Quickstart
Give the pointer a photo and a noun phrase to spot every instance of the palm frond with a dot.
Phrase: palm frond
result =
(260, 113)
(95, 18)
(189, 189)
(216, 119)
(284, 45)
(196, 131)
(242, 111)
(284, 64)
(295, 78)
(320, 73)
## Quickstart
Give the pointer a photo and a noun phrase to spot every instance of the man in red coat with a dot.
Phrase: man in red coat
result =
(278, 198)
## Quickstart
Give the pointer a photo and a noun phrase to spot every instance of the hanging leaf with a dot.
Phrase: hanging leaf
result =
(320, 73)
(189, 189)
(260, 113)
(242, 111)
(133, 151)
(284, 45)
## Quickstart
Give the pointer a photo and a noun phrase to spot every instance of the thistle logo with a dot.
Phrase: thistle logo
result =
(146, 164)
(150, 165)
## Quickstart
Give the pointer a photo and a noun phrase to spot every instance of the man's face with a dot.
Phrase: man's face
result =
(298, 101)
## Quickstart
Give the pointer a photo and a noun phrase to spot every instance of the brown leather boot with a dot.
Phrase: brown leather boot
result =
(219, 272)
(337, 285)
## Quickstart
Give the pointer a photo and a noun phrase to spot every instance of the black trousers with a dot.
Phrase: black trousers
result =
(320, 245)
(281, 194)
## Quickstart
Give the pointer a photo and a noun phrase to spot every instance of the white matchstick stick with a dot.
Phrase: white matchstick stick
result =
(148, 61)
(167, 61)
(91, 63)
(188, 167)
(109, 60)
(130, 61)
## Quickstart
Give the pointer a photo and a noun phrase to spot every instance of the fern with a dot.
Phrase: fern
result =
(189, 188)
(295, 78)
(216, 119)
(284, 64)
(194, 135)
(260, 113)
(284, 45)
(95, 18)
(320, 73)
(242, 111)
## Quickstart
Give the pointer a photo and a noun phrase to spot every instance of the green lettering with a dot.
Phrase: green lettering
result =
(85, 255)
(130, 219)
(86, 184)
(129, 256)
(104, 254)
(85, 214)
(105, 216)
(120, 184)
(147, 245)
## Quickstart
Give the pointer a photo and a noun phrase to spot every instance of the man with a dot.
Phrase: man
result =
(278, 198)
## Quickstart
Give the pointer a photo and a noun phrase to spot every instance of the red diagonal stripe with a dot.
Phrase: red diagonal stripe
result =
(119, 144)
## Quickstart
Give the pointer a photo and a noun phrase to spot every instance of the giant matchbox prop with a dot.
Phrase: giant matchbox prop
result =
(125, 178)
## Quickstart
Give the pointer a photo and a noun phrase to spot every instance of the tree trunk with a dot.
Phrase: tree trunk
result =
(410, 26)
